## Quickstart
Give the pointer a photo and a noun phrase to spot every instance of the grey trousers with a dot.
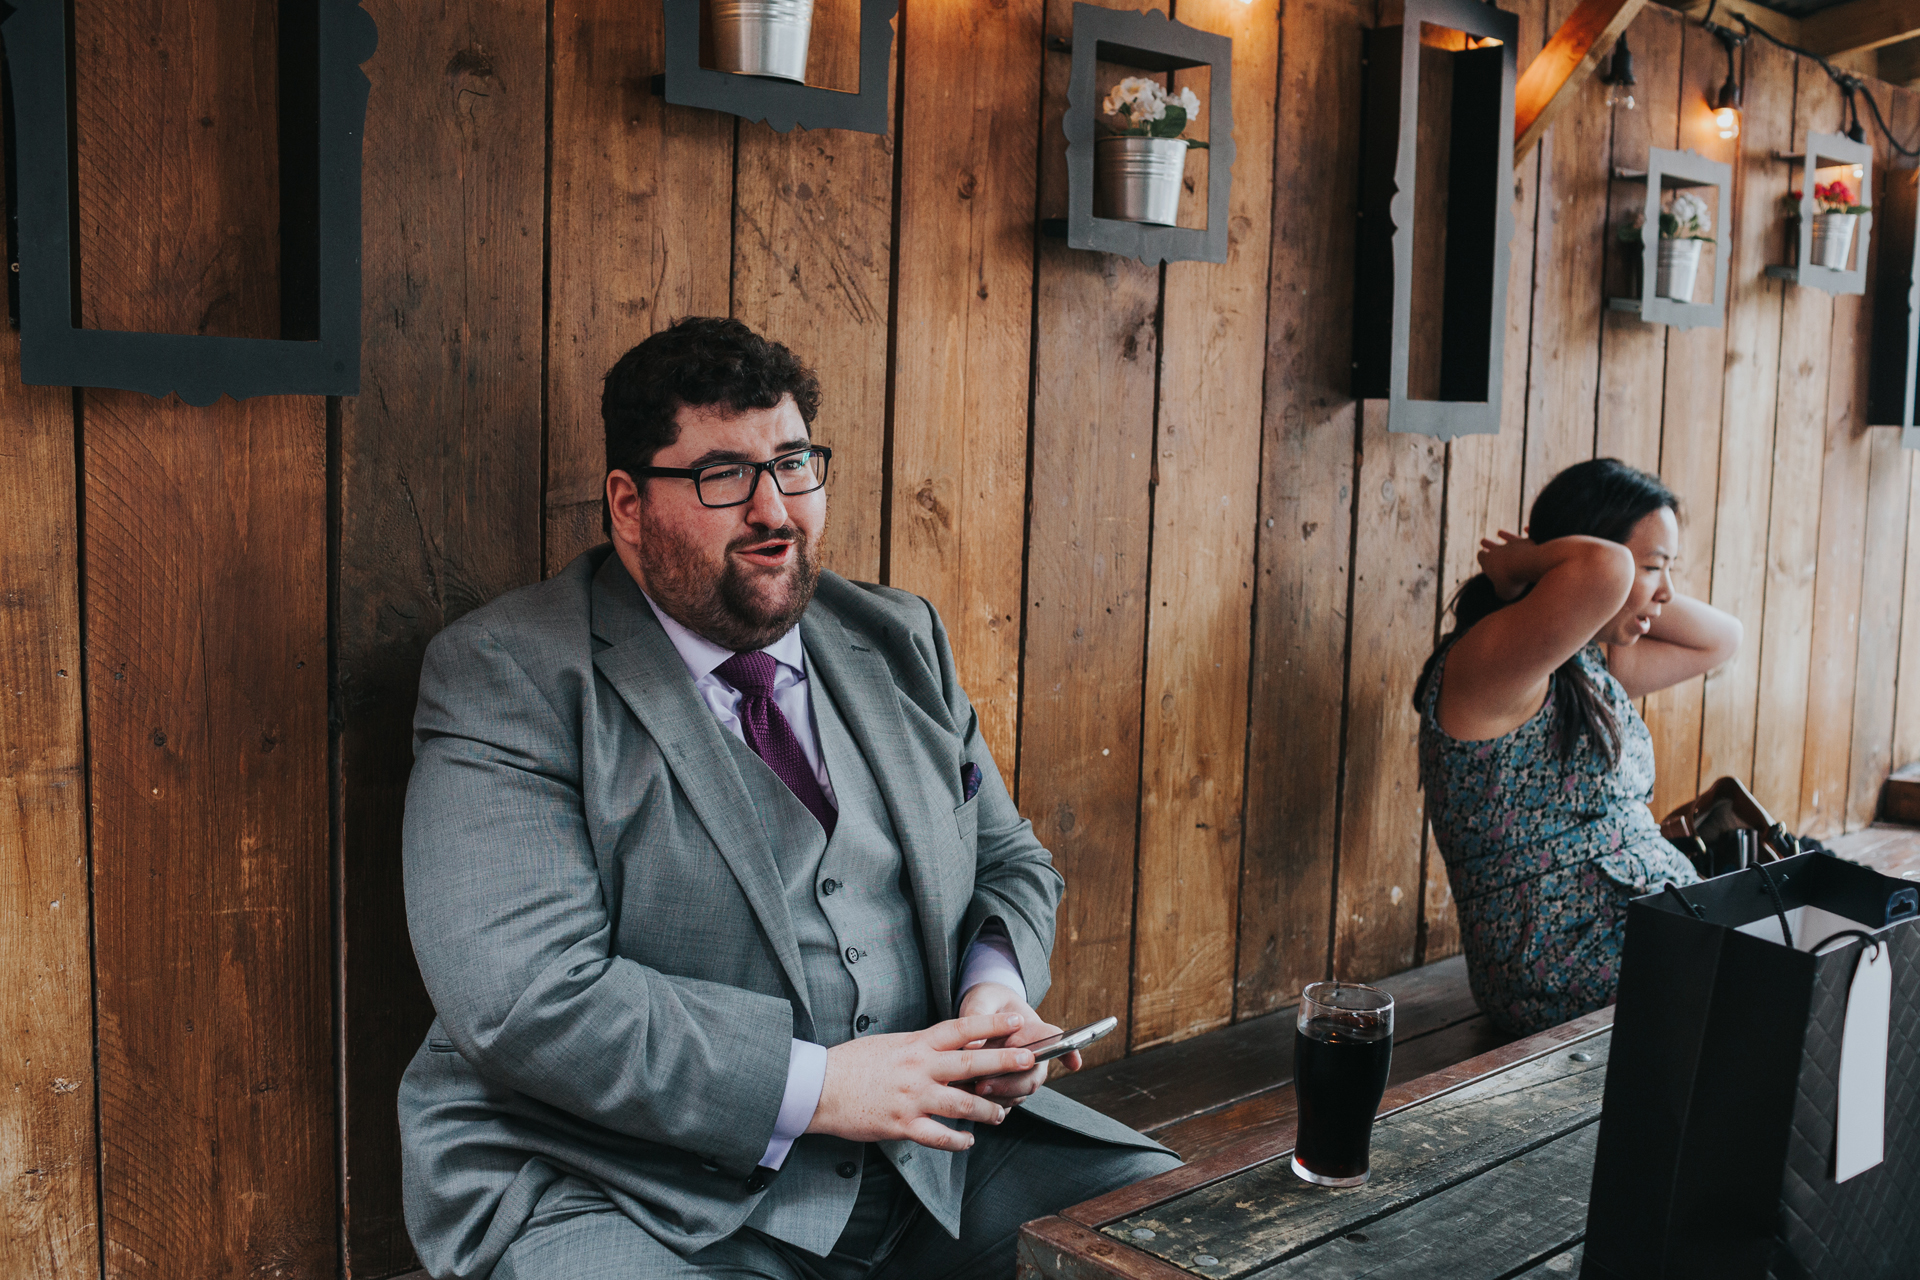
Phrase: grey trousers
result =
(1020, 1170)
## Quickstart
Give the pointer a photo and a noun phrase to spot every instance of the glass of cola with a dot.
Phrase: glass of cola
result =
(1342, 1047)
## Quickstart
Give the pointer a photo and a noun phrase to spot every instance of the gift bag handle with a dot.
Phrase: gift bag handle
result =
(1772, 890)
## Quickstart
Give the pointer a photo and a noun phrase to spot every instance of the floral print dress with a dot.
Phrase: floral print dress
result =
(1543, 854)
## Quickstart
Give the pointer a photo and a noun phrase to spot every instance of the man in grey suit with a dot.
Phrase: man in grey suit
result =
(732, 929)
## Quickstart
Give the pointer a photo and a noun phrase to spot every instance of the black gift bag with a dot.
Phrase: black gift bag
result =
(1717, 1143)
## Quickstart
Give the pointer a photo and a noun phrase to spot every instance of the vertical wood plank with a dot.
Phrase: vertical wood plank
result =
(1876, 668)
(637, 235)
(1835, 641)
(1870, 758)
(1690, 439)
(1741, 513)
(1398, 484)
(1200, 596)
(969, 126)
(205, 598)
(49, 1205)
(1096, 345)
(1483, 472)
(1793, 529)
(1569, 280)
(1633, 353)
(1305, 530)
(812, 237)
(439, 487)
(1906, 700)
(206, 621)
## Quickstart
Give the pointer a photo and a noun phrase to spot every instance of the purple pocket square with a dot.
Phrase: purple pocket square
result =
(969, 781)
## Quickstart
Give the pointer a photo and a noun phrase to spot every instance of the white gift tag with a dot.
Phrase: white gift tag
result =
(1860, 1127)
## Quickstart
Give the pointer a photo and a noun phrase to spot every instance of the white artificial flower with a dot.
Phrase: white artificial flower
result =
(1145, 99)
(1691, 212)
(1190, 102)
(1128, 93)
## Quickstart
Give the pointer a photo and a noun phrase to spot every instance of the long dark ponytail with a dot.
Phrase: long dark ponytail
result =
(1603, 498)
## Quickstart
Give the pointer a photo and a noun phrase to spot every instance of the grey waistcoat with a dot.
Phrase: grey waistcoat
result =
(861, 952)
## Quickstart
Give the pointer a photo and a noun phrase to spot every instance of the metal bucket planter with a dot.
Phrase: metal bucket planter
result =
(1833, 239)
(762, 37)
(1679, 264)
(1138, 179)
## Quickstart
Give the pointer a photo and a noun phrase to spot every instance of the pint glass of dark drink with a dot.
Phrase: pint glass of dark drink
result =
(1342, 1046)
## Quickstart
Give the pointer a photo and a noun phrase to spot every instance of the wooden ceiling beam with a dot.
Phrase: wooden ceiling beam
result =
(1900, 63)
(1860, 24)
(1548, 84)
(1778, 24)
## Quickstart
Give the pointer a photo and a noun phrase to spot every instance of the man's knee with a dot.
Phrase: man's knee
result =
(1125, 1166)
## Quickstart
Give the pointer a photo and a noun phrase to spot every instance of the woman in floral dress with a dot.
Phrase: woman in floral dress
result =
(1538, 770)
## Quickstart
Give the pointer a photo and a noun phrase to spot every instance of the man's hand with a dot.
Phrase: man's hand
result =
(991, 997)
(881, 1088)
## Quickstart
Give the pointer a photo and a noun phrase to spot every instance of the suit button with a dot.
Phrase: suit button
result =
(863, 1023)
(853, 955)
(846, 1168)
(829, 887)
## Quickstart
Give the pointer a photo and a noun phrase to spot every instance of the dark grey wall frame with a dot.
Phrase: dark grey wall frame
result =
(1893, 363)
(1669, 170)
(1833, 149)
(323, 96)
(781, 103)
(1479, 221)
(1149, 41)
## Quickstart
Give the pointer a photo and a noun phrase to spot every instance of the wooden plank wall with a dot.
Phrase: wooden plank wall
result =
(1189, 579)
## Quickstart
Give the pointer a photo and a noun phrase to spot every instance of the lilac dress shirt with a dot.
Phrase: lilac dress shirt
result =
(989, 959)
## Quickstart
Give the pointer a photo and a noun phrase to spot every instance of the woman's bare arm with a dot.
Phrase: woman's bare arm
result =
(1689, 638)
(1496, 675)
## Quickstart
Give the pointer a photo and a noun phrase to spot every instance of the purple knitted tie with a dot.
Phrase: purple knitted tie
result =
(766, 730)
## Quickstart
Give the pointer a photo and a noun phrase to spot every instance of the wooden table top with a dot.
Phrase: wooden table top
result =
(1479, 1171)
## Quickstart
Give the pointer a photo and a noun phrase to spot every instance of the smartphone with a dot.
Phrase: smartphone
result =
(1059, 1046)
(1065, 1042)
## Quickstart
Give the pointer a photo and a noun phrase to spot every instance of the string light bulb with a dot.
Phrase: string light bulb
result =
(1619, 78)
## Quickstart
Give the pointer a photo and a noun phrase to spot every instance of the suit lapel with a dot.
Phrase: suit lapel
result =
(858, 678)
(645, 669)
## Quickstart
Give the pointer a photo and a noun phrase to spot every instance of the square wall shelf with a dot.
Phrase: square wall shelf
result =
(1894, 357)
(322, 115)
(1436, 228)
(1678, 171)
(1828, 151)
(781, 103)
(1148, 41)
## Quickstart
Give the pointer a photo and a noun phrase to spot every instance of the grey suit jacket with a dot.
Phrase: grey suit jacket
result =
(601, 923)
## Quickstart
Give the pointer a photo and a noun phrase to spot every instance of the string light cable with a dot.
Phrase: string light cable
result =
(1850, 84)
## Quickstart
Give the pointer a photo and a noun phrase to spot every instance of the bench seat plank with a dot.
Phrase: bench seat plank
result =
(1266, 1213)
(1525, 1211)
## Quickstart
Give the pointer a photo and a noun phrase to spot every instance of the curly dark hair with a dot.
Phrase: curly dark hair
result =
(696, 360)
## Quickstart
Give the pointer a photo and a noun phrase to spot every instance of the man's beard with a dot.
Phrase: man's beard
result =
(731, 607)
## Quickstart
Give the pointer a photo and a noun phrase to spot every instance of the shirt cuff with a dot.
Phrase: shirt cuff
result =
(991, 959)
(806, 1076)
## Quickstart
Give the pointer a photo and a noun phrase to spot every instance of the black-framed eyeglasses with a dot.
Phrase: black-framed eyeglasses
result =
(732, 484)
